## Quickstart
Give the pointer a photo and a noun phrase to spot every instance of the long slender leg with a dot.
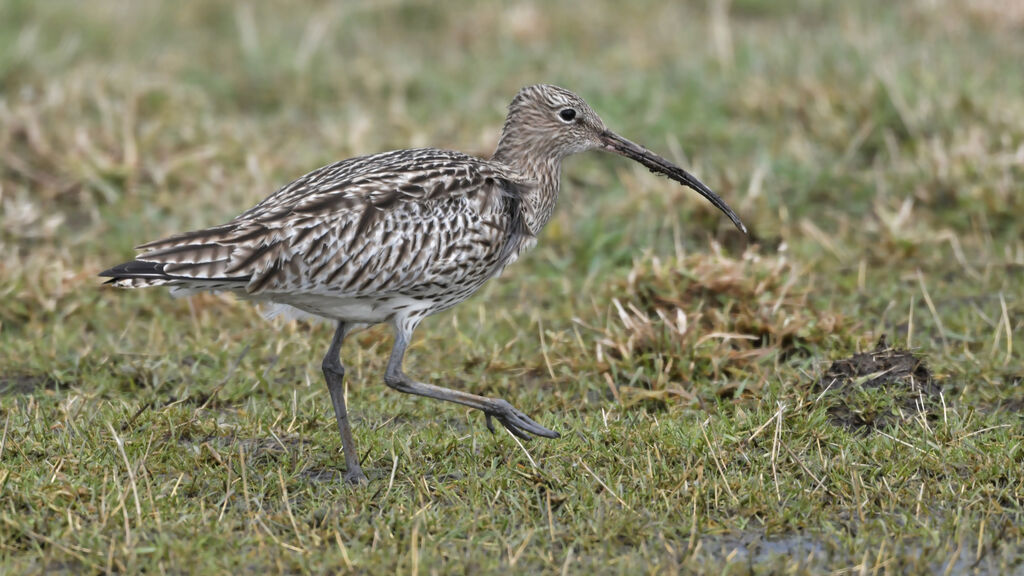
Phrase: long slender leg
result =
(334, 374)
(518, 423)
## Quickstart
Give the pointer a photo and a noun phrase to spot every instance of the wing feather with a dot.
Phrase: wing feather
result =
(401, 222)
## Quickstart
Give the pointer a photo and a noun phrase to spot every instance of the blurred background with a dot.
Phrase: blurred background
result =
(866, 142)
(875, 149)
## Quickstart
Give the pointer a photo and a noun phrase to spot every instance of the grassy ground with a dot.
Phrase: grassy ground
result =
(876, 150)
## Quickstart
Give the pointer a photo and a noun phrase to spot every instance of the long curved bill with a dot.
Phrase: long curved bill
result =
(619, 145)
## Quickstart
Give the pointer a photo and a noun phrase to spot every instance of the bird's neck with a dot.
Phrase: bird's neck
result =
(543, 171)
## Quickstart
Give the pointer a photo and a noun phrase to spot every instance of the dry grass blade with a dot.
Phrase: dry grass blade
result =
(129, 469)
(603, 485)
(717, 460)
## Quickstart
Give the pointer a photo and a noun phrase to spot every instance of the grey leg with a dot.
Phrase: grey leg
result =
(334, 374)
(517, 423)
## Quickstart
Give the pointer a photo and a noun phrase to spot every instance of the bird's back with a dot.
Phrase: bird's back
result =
(421, 225)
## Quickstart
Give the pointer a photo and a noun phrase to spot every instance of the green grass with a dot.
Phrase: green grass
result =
(875, 149)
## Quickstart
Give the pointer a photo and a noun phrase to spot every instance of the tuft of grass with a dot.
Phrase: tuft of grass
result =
(712, 318)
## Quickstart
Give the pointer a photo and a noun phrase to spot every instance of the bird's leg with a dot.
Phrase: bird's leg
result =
(334, 374)
(517, 423)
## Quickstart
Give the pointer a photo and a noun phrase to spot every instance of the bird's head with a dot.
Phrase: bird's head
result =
(546, 123)
(551, 121)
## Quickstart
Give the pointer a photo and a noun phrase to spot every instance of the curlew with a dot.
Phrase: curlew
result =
(398, 236)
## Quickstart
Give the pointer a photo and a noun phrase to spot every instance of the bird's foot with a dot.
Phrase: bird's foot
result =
(515, 421)
(356, 477)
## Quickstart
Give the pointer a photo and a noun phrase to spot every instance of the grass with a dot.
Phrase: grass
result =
(875, 149)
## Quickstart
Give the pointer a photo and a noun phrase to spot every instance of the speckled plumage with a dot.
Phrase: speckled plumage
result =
(363, 239)
(396, 237)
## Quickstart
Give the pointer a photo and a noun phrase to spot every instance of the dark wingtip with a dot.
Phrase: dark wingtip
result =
(156, 270)
(134, 269)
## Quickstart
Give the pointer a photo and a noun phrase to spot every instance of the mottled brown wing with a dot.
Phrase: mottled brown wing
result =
(403, 222)
(413, 248)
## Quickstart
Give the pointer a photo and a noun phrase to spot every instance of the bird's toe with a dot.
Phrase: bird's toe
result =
(517, 422)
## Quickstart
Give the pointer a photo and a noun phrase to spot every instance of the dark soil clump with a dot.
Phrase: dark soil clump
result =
(878, 389)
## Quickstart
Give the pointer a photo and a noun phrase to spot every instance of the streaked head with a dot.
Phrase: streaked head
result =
(549, 122)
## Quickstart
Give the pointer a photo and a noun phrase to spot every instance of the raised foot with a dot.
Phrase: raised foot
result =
(515, 421)
(356, 477)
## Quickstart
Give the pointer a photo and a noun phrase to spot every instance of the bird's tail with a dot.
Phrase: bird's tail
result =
(192, 261)
(136, 274)
(142, 274)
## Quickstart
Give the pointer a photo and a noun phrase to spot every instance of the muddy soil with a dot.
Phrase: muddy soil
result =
(879, 389)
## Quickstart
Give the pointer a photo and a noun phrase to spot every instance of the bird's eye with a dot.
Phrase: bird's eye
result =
(567, 114)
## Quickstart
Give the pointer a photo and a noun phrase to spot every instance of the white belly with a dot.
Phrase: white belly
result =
(367, 310)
